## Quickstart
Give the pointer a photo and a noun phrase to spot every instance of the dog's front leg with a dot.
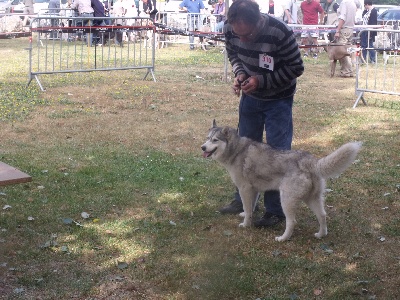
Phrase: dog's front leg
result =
(247, 195)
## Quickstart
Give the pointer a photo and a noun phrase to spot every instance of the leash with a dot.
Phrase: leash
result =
(164, 29)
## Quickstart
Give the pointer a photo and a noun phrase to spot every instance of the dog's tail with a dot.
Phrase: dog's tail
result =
(338, 161)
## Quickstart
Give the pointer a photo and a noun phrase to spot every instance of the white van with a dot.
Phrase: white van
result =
(40, 6)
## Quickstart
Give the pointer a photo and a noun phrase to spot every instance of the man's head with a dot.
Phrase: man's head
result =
(243, 16)
(367, 3)
(246, 11)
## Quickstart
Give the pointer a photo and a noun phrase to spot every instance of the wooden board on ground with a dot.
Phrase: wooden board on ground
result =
(11, 175)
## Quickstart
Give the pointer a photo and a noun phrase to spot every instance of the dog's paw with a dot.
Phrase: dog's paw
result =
(280, 239)
(320, 235)
(244, 224)
(241, 225)
(242, 214)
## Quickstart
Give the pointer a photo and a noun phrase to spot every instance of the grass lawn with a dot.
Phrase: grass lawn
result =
(123, 206)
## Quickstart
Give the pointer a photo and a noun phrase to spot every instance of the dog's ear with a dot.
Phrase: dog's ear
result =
(214, 124)
(226, 131)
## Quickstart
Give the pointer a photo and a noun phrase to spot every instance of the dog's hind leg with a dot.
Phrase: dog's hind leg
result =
(317, 206)
(248, 196)
(292, 191)
(333, 67)
(315, 201)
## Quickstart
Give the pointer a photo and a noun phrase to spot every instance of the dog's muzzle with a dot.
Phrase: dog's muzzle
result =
(205, 153)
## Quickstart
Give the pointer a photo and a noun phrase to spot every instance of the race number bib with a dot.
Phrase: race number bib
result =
(266, 62)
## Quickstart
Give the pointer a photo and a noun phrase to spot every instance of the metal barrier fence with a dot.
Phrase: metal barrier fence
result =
(65, 44)
(11, 26)
(203, 26)
(378, 73)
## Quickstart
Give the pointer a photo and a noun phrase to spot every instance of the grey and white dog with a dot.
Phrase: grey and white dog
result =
(299, 176)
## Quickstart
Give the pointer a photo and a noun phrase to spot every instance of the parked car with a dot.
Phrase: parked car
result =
(391, 19)
(5, 6)
(17, 6)
(41, 6)
(383, 8)
(390, 15)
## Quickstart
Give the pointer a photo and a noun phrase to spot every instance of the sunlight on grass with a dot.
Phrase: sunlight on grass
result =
(127, 152)
(168, 197)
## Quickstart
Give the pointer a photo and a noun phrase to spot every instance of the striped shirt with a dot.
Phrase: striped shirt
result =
(275, 41)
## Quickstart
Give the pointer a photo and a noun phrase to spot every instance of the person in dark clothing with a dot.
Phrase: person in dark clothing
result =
(99, 12)
(149, 7)
(266, 62)
(370, 17)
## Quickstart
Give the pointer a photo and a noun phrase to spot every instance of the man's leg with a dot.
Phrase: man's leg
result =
(279, 132)
(315, 43)
(364, 44)
(345, 37)
(372, 53)
(191, 19)
(251, 125)
(305, 42)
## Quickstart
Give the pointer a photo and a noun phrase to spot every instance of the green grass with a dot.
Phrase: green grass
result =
(127, 152)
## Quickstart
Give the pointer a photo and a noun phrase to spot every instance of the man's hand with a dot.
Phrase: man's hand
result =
(237, 83)
(250, 85)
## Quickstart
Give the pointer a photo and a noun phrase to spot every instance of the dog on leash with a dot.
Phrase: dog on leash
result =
(337, 52)
(256, 167)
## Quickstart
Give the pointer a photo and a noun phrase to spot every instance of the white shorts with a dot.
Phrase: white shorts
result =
(309, 32)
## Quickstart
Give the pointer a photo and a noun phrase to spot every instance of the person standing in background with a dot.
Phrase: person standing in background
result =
(370, 17)
(28, 10)
(193, 8)
(119, 10)
(54, 10)
(85, 10)
(219, 12)
(149, 7)
(344, 33)
(313, 14)
(277, 9)
(290, 16)
(331, 17)
(271, 10)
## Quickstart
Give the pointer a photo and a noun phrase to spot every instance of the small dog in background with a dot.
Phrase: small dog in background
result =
(299, 176)
(337, 52)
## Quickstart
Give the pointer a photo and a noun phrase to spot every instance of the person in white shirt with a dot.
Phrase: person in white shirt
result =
(290, 13)
(119, 10)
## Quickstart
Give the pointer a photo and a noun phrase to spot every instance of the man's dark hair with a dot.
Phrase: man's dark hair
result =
(368, 2)
(246, 11)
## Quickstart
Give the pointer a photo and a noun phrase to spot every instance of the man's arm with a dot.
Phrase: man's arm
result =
(288, 16)
(339, 27)
(202, 8)
(182, 6)
(321, 14)
(321, 18)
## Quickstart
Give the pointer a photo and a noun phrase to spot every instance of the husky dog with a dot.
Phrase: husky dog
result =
(256, 167)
